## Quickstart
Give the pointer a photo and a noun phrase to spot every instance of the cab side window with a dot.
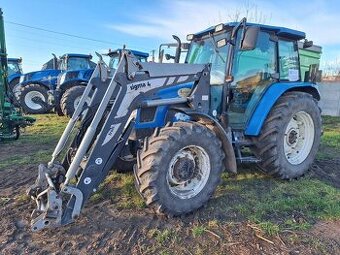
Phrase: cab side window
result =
(288, 61)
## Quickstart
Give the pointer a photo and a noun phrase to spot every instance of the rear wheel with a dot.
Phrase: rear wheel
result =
(33, 99)
(179, 168)
(290, 136)
(70, 100)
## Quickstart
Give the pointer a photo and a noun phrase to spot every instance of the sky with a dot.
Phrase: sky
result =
(144, 24)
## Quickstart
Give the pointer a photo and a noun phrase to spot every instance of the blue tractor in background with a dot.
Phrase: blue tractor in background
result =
(34, 86)
(14, 70)
(71, 84)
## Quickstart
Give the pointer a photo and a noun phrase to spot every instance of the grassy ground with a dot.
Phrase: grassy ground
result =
(41, 138)
(270, 206)
(330, 146)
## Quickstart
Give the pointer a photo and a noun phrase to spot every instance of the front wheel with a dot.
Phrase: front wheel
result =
(179, 168)
(33, 99)
(70, 100)
(290, 136)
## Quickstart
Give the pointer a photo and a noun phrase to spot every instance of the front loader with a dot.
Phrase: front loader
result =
(240, 88)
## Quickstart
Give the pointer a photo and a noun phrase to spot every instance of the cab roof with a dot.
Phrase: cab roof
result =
(279, 31)
(75, 55)
(134, 52)
(14, 59)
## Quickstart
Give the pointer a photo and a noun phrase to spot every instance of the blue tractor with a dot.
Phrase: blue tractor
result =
(71, 84)
(14, 70)
(239, 98)
(34, 86)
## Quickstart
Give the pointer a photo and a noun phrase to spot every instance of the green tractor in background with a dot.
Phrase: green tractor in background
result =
(11, 119)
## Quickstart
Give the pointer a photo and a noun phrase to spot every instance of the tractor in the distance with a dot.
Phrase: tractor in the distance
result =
(239, 98)
(34, 86)
(14, 70)
(71, 84)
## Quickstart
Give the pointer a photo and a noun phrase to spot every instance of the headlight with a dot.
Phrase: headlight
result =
(62, 78)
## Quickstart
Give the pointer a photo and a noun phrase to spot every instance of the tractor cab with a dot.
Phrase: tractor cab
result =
(14, 67)
(14, 70)
(72, 62)
(250, 59)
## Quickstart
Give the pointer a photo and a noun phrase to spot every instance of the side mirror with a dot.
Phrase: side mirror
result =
(250, 38)
(307, 44)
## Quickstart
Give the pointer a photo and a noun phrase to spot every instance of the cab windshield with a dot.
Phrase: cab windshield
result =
(75, 63)
(13, 68)
(204, 51)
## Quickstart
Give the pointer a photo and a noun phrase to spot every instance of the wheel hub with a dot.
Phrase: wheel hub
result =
(299, 137)
(292, 137)
(31, 99)
(184, 169)
(188, 171)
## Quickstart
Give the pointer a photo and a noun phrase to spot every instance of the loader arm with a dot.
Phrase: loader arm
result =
(105, 111)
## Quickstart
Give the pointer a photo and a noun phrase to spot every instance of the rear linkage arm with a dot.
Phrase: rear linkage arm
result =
(58, 201)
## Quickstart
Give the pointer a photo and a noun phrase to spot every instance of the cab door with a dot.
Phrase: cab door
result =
(253, 71)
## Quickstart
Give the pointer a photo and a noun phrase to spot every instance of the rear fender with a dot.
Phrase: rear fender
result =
(269, 98)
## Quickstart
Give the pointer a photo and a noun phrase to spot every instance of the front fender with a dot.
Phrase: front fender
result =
(211, 123)
(25, 83)
(269, 98)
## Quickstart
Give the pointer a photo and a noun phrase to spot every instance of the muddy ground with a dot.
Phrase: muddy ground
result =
(103, 228)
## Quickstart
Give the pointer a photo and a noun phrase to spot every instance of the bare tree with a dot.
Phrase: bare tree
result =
(251, 11)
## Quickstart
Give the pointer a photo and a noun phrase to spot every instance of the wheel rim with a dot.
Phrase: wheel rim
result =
(17, 91)
(188, 172)
(299, 138)
(29, 100)
(76, 102)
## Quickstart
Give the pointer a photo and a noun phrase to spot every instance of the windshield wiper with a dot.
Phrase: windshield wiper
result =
(215, 47)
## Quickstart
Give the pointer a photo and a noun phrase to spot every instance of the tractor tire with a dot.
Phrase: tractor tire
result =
(179, 168)
(290, 136)
(34, 91)
(70, 100)
(14, 85)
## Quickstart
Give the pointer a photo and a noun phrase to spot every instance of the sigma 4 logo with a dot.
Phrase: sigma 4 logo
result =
(140, 85)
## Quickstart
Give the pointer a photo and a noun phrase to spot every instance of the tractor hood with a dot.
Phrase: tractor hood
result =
(47, 77)
(77, 75)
